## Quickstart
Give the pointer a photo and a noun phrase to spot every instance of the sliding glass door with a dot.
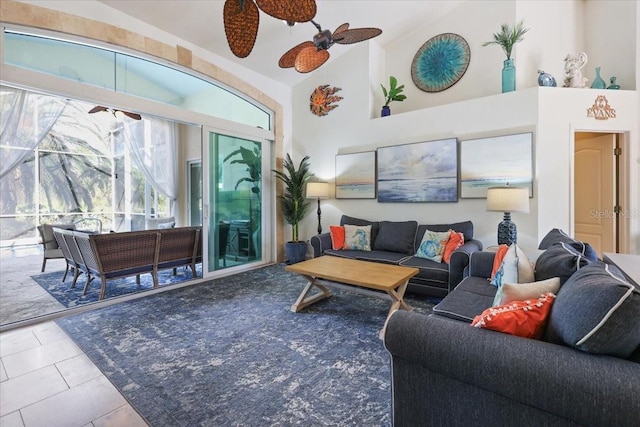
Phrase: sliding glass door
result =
(234, 196)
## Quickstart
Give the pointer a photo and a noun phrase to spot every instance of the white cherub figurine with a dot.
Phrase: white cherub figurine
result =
(572, 74)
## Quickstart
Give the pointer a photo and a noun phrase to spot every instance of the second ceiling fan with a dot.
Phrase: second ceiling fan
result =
(309, 55)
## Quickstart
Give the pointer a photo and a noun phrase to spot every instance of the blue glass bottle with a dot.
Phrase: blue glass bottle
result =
(508, 76)
(598, 83)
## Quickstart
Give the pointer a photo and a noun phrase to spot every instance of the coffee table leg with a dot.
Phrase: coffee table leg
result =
(304, 300)
(397, 297)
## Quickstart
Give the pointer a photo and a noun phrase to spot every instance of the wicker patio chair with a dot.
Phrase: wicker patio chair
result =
(117, 255)
(78, 260)
(179, 247)
(66, 252)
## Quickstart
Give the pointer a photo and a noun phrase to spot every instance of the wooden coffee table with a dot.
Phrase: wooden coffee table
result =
(392, 279)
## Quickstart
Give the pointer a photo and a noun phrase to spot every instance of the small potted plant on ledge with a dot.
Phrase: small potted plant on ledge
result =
(506, 38)
(393, 94)
(293, 203)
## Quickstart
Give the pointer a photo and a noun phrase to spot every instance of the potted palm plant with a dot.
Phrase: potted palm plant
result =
(506, 38)
(293, 204)
(394, 93)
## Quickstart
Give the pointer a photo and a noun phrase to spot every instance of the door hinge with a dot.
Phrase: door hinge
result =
(617, 209)
(617, 151)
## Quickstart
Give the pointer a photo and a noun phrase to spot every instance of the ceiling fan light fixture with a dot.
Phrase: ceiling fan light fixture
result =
(323, 40)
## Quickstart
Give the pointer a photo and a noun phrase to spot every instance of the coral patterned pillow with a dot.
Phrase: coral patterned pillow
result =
(455, 241)
(522, 318)
(337, 236)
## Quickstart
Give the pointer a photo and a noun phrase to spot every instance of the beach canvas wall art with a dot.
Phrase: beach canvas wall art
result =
(356, 175)
(419, 172)
(495, 161)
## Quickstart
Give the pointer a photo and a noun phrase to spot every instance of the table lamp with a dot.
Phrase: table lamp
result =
(507, 199)
(318, 190)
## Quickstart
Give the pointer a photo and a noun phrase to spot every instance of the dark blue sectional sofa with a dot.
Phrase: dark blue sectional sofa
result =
(584, 371)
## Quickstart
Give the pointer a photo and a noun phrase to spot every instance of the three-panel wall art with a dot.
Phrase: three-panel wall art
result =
(436, 171)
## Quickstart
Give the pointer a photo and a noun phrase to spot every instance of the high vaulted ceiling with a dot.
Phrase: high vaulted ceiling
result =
(200, 22)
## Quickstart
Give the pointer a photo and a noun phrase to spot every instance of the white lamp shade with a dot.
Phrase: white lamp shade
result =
(508, 199)
(317, 190)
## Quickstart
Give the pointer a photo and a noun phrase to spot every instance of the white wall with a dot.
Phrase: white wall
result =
(553, 114)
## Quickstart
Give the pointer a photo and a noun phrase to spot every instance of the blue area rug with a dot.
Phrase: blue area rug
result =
(72, 297)
(231, 353)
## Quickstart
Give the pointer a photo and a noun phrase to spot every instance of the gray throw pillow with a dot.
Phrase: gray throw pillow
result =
(597, 312)
(556, 236)
(560, 260)
(396, 236)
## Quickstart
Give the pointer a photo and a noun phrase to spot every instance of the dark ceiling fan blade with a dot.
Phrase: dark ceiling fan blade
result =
(134, 116)
(100, 108)
(356, 35)
(288, 60)
(241, 20)
(289, 10)
(310, 58)
(97, 109)
(341, 28)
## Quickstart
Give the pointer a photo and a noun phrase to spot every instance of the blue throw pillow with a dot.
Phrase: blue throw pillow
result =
(432, 245)
(597, 312)
(560, 260)
(556, 236)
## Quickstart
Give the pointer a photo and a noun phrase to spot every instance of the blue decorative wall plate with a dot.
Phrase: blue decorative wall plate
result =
(440, 62)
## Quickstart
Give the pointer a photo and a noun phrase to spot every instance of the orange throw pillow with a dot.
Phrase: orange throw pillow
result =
(497, 261)
(522, 318)
(455, 241)
(337, 236)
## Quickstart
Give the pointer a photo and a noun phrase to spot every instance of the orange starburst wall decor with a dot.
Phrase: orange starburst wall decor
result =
(323, 100)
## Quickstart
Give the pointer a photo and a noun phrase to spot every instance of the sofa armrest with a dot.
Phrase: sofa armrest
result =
(320, 243)
(504, 375)
(481, 264)
(460, 260)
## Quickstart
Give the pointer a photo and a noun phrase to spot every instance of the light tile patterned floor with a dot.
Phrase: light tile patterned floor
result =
(45, 379)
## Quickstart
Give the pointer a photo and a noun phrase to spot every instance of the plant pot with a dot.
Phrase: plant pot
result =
(386, 111)
(508, 76)
(296, 252)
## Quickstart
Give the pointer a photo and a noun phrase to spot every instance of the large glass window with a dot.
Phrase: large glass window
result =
(130, 74)
(80, 169)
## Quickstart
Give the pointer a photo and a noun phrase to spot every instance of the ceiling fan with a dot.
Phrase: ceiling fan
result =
(309, 55)
(100, 108)
(241, 19)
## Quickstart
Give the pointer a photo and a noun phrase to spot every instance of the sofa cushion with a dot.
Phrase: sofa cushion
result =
(522, 318)
(381, 256)
(509, 292)
(396, 236)
(470, 298)
(337, 236)
(465, 227)
(556, 236)
(559, 260)
(429, 270)
(432, 245)
(345, 219)
(597, 312)
(357, 237)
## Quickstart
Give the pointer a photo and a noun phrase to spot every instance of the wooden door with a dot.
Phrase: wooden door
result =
(595, 191)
